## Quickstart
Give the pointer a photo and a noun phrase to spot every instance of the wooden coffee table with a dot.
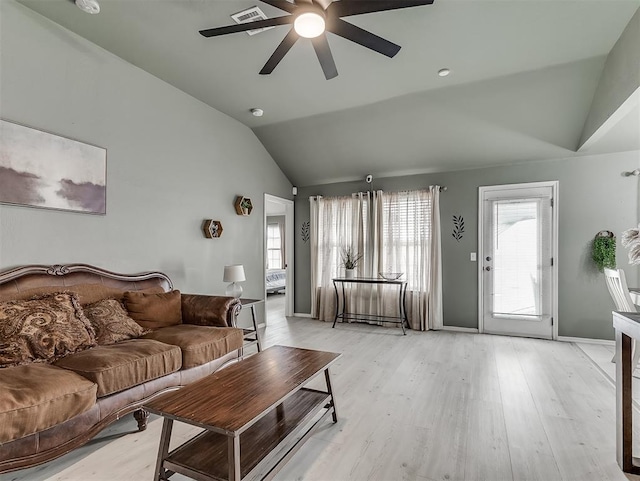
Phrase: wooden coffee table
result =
(256, 415)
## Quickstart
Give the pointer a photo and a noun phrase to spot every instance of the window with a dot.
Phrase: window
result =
(394, 232)
(399, 244)
(517, 257)
(406, 232)
(274, 247)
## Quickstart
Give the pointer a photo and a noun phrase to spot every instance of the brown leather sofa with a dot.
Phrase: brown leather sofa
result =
(49, 409)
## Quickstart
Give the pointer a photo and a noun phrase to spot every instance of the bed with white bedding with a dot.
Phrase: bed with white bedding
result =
(275, 280)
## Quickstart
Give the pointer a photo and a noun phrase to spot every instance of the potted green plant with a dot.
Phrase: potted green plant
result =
(603, 250)
(245, 204)
(350, 260)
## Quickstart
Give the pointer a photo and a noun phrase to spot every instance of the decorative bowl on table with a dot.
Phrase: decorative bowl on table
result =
(391, 276)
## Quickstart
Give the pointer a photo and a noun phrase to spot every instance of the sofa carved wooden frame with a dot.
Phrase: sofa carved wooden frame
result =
(21, 278)
(63, 270)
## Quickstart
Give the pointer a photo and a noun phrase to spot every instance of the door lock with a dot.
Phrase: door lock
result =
(488, 258)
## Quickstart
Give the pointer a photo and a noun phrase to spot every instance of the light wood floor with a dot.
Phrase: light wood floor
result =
(425, 407)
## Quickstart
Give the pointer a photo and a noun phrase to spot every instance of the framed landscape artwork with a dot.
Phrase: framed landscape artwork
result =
(39, 169)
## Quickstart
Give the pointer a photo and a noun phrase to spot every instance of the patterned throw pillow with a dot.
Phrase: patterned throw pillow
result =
(43, 329)
(110, 321)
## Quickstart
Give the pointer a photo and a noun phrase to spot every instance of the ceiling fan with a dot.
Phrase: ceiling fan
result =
(311, 19)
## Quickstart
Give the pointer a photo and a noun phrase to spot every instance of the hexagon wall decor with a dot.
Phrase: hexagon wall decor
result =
(212, 228)
(243, 205)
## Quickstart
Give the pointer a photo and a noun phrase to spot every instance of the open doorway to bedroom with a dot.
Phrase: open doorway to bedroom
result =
(278, 256)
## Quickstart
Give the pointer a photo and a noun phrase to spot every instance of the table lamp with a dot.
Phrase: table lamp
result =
(234, 274)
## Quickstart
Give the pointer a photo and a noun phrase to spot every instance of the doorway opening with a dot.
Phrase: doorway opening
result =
(517, 268)
(278, 257)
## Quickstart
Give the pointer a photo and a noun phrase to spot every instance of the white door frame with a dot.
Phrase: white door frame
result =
(288, 247)
(554, 245)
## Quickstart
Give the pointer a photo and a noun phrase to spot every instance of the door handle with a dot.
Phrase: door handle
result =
(488, 268)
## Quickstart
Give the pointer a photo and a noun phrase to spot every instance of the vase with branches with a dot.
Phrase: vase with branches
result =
(350, 260)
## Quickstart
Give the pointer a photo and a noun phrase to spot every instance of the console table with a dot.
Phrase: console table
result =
(256, 414)
(352, 316)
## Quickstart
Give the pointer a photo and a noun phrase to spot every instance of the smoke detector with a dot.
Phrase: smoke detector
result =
(88, 6)
(251, 15)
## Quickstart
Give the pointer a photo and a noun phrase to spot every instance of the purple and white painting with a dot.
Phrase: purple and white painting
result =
(39, 169)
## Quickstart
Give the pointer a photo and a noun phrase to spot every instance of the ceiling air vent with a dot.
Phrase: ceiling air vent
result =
(251, 15)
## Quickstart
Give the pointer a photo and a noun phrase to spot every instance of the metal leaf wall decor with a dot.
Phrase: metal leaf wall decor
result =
(304, 233)
(458, 227)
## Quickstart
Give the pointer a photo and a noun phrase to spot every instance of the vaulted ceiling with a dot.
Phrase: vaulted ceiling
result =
(523, 75)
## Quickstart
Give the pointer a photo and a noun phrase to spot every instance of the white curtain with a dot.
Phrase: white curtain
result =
(336, 223)
(409, 242)
(395, 232)
(314, 211)
(283, 256)
(434, 299)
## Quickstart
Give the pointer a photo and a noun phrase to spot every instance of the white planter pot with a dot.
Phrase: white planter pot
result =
(349, 273)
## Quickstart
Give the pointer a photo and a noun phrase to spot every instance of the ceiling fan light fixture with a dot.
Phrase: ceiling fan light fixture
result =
(309, 24)
(311, 19)
(88, 6)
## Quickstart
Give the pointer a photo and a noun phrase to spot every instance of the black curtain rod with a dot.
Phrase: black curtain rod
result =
(443, 188)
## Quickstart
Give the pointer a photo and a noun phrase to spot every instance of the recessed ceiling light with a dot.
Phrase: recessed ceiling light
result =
(88, 6)
(443, 72)
(257, 112)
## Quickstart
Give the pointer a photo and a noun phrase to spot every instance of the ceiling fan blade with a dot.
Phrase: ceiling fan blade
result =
(321, 46)
(281, 4)
(344, 8)
(243, 27)
(362, 37)
(280, 52)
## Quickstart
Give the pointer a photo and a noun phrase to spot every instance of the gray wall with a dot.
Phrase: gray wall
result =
(593, 196)
(172, 162)
(620, 78)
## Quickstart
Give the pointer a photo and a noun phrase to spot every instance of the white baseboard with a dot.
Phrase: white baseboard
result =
(471, 330)
(301, 314)
(586, 340)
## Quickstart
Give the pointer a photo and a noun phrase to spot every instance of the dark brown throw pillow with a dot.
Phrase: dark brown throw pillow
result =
(43, 329)
(111, 323)
(153, 311)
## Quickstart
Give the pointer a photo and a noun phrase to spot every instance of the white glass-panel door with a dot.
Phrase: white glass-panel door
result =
(517, 288)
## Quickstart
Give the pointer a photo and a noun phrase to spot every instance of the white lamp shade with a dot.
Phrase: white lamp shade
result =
(234, 273)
